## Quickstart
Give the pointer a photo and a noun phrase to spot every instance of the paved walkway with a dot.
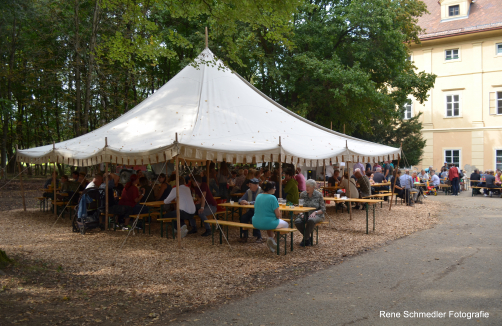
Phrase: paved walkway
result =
(455, 266)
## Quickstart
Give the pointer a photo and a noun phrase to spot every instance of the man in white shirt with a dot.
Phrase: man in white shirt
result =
(187, 207)
(434, 179)
(329, 171)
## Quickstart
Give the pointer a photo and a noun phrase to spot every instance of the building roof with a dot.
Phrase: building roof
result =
(484, 15)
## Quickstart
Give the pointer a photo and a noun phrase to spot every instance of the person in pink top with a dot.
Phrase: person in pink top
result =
(453, 176)
(300, 179)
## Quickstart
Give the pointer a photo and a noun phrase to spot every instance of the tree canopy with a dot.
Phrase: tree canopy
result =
(68, 67)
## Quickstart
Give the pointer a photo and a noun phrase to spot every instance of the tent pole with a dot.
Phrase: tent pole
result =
(280, 170)
(106, 187)
(207, 41)
(394, 187)
(22, 186)
(178, 221)
(348, 170)
(324, 161)
(54, 181)
(21, 181)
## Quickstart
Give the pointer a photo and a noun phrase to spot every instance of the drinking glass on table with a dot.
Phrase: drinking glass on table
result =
(300, 202)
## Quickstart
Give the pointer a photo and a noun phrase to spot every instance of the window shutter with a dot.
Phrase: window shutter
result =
(493, 103)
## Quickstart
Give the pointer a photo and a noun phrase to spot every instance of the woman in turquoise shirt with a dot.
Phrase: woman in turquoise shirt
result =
(267, 214)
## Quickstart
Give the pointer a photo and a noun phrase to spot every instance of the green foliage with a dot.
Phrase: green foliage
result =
(68, 67)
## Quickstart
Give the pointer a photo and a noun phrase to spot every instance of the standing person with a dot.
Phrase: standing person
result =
(267, 215)
(207, 205)
(453, 176)
(239, 181)
(329, 171)
(249, 198)
(306, 222)
(368, 167)
(291, 187)
(300, 179)
(187, 207)
(359, 166)
(223, 176)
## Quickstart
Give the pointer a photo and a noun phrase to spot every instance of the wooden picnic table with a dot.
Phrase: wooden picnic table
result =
(292, 210)
(358, 200)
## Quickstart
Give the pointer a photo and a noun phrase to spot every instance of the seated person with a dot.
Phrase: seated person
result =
(352, 193)
(49, 182)
(162, 189)
(498, 182)
(306, 222)
(187, 207)
(489, 182)
(434, 179)
(74, 175)
(395, 184)
(370, 176)
(379, 177)
(206, 206)
(96, 182)
(407, 184)
(334, 179)
(364, 183)
(130, 197)
(290, 187)
(249, 198)
(146, 190)
(82, 181)
(475, 178)
(423, 176)
(267, 215)
(139, 174)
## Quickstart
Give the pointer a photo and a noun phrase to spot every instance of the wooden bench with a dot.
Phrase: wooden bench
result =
(280, 233)
(447, 188)
(170, 219)
(378, 196)
(42, 201)
(490, 189)
(145, 217)
(316, 229)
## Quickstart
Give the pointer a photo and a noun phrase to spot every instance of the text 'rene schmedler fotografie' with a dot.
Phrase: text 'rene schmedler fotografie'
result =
(435, 314)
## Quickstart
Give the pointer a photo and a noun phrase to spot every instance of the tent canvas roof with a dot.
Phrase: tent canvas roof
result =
(217, 116)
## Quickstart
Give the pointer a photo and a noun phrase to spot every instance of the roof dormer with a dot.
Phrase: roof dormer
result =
(454, 9)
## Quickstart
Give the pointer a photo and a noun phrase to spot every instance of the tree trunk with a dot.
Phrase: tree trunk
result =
(90, 67)
(78, 105)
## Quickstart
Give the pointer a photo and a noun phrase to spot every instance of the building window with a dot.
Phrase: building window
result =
(454, 10)
(452, 156)
(408, 110)
(453, 105)
(498, 48)
(499, 102)
(451, 54)
(498, 159)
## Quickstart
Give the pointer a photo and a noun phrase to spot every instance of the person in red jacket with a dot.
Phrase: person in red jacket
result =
(454, 179)
(130, 197)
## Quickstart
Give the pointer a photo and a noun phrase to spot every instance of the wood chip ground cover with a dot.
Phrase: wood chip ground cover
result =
(61, 277)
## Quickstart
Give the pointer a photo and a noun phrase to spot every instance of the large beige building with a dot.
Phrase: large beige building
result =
(462, 119)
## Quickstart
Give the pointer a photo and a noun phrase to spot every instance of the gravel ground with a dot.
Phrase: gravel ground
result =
(150, 279)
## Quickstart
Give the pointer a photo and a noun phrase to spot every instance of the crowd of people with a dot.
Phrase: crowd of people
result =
(258, 187)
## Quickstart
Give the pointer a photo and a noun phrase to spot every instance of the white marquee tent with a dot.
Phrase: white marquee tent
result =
(217, 116)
